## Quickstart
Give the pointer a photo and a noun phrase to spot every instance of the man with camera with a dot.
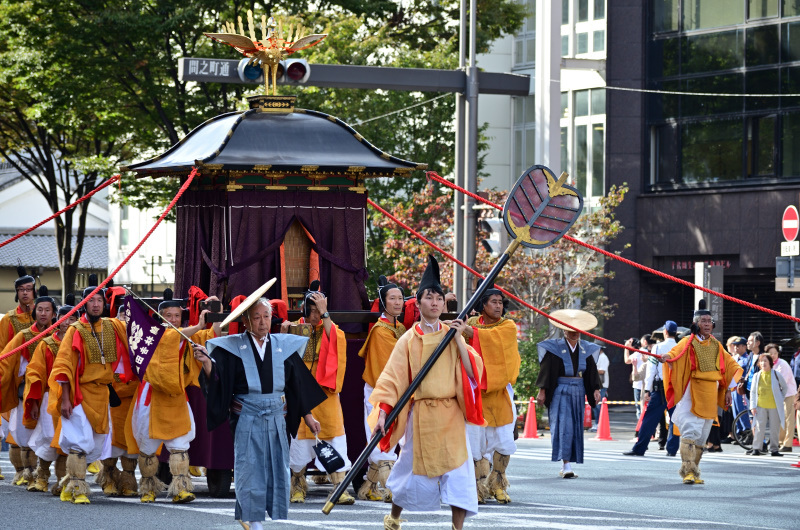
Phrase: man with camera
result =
(654, 396)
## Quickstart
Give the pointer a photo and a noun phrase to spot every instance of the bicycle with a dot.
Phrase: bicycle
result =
(743, 438)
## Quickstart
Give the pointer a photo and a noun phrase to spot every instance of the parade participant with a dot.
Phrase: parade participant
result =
(568, 372)
(325, 357)
(376, 351)
(20, 317)
(92, 351)
(697, 382)
(494, 338)
(161, 412)
(12, 323)
(655, 398)
(12, 385)
(435, 463)
(258, 382)
(36, 393)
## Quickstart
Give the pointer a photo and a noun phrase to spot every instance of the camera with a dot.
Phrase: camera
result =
(215, 306)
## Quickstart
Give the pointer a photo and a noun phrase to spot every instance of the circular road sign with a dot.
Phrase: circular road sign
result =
(790, 223)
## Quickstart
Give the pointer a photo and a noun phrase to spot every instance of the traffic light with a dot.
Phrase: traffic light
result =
(497, 241)
(250, 73)
(290, 72)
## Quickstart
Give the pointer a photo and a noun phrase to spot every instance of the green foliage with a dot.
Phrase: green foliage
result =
(525, 387)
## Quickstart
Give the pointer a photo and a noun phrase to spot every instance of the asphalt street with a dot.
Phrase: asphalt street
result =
(612, 491)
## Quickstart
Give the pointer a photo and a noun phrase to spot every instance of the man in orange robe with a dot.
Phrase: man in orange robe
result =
(376, 351)
(697, 382)
(494, 337)
(12, 323)
(325, 357)
(435, 463)
(93, 350)
(43, 441)
(12, 384)
(161, 413)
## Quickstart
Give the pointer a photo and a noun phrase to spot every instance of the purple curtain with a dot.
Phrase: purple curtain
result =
(232, 241)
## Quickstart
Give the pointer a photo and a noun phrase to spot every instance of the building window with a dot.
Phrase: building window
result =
(525, 39)
(524, 134)
(583, 28)
(583, 152)
(705, 14)
(123, 226)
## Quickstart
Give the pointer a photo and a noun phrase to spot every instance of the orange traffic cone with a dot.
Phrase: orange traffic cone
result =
(530, 430)
(796, 465)
(603, 426)
(641, 416)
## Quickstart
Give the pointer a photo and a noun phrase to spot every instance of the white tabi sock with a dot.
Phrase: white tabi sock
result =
(566, 467)
(255, 525)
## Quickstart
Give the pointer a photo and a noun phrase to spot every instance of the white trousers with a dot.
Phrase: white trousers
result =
(140, 422)
(484, 441)
(423, 493)
(376, 455)
(43, 433)
(77, 435)
(690, 426)
(301, 452)
(21, 434)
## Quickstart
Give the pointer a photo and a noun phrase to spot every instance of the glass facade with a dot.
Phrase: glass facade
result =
(525, 40)
(524, 134)
(721, 55)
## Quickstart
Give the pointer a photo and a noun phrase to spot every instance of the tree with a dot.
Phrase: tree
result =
(562, 275)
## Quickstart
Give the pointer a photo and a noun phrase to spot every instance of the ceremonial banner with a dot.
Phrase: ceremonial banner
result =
(144, 333)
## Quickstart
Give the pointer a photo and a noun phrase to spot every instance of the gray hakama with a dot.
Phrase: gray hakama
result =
(565, 389)
(261, 445)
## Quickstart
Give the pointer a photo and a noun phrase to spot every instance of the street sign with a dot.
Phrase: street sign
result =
(790, 224)
(790, 248)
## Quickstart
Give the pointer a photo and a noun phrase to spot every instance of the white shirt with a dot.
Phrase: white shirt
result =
(654, 369)
(636, 363)
(261, 349)
(602, 364)
(783, 368)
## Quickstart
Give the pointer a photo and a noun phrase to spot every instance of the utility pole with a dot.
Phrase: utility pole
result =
(471, 155)
(458, 171)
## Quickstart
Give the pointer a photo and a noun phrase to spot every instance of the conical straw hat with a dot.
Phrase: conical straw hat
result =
(248, 302)
(577, 318)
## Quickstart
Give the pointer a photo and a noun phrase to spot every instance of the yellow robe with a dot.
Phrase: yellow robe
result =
(497, 346)
(36, 375)
(94, 379)
(329, 412)
(377, 349)
(708, 388)
(439, 413)
(10, 380)
(7, 327)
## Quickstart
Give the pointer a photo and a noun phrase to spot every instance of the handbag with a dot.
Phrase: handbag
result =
(329, 457)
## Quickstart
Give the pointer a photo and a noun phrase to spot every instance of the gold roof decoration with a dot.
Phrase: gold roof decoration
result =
(275, 44)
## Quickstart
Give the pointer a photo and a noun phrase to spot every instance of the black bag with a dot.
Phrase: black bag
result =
(329, 457)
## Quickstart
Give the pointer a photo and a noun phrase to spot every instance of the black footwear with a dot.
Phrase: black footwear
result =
(715, 450)
(631, 453)
(785, 449)
(726, 441)
(661, 448)
(755, 452)
(749, 452)
(775, 453)
(671, 454)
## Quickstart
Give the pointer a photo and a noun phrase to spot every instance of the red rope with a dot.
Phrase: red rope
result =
(113, 273)
(433, 176)
(74, 204)
(507, 293)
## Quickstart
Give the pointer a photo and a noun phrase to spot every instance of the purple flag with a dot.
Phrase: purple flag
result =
(144, 333)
